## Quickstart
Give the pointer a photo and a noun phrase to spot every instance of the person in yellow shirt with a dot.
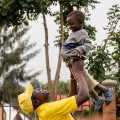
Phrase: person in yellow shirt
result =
(39, 101)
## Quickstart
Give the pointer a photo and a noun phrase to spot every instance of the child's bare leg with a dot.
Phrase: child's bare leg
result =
(94, 95)
(98, 100)
(92, 84)
(108, 93)
(100, 87)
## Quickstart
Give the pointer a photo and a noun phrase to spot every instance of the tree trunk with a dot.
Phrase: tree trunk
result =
(57, 75)
(47, 56)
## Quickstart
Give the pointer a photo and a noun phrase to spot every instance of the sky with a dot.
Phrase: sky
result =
(98, 19)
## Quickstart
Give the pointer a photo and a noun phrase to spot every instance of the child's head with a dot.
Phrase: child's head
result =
(75, 20)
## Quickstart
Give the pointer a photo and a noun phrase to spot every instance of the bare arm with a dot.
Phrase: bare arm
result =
(73, 86)
(83, 93)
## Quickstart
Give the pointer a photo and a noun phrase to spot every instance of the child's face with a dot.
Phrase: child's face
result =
(74, 23)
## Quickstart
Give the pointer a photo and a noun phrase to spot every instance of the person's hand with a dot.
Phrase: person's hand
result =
(76, 53)
(69, 63)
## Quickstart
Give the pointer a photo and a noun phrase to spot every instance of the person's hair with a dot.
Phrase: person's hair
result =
(77, 14)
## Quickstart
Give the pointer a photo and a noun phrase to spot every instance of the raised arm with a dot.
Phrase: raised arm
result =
(83, 93)
(73, 86)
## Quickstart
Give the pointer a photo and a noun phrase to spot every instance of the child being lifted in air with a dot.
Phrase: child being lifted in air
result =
(76, 46)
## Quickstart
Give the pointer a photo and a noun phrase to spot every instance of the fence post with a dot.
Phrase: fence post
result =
(109, 111)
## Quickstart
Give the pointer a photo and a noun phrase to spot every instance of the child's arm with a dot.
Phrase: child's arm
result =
(84, 41)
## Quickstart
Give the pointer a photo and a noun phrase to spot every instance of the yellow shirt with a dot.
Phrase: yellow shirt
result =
(58, 110)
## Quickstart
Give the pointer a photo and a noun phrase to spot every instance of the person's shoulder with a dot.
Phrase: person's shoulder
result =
(80, 33)
(83, 31)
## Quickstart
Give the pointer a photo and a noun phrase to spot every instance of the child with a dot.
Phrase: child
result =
(39, 101)
(76, 46)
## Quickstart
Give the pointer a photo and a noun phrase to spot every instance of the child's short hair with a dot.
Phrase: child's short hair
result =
(77, 14)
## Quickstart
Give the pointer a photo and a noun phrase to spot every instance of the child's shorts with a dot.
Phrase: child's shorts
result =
(90, 81)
